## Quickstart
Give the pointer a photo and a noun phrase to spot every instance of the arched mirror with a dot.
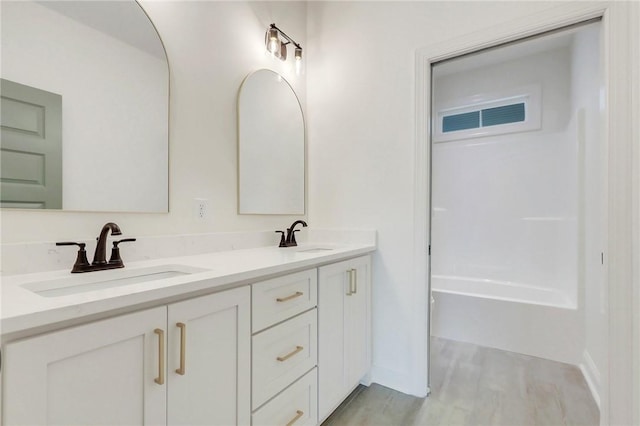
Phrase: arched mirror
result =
(271, 146)
(85, 100)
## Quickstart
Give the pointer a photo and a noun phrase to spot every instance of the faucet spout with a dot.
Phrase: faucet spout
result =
(99, 258)
(291, 238)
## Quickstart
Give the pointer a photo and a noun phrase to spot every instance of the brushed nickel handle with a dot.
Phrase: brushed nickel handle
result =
(160, 379)
(354, 274)
(293, 296)
(350, 273)
(290, 354)
(183, 343)
(295, 419)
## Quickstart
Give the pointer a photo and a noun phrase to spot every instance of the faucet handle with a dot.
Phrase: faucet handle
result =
(81, 264)
(283, 243)
(115, 253)
(71, 243)
(124, 240)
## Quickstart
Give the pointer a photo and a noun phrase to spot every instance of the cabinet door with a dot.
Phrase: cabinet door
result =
(344, 330)
(95, 374)
(333, 286)
(358, 321)
(214, 387)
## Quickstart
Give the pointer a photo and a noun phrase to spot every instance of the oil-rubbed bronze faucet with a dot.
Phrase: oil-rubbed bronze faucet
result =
(290, 239)
(99, 258)
(291, 236)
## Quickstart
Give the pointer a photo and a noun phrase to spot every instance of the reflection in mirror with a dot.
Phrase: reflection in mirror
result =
(85, 93)
(271, 146)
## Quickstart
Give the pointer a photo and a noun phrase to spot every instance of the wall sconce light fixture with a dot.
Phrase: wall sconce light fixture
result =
(278, 47)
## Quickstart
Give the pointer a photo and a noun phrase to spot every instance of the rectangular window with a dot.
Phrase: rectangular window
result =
(496, 114)
(503, 115)
(468, 120)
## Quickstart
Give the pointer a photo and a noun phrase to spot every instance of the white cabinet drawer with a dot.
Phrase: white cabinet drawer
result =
(280, 298)
(296, 406)
(282, 354)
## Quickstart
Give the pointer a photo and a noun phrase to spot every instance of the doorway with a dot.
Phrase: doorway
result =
(518, 204)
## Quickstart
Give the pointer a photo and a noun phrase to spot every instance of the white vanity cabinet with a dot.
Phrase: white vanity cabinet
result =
(344, 330)
(122, 370)
(282, 347)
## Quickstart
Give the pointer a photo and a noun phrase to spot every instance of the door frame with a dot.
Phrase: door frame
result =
(621, 60)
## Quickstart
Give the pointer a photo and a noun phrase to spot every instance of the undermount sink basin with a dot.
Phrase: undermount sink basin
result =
(315, 250)
(92, 281)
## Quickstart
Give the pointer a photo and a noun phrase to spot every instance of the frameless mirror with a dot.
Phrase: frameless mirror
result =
(85, 100)
(271, 146)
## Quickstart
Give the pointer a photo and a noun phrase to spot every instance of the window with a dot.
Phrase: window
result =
(492, 117)
(467, 120)
(513, 113)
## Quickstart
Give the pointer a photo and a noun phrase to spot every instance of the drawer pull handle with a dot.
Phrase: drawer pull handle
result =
(293, 296)
(295, 419)
(160, 379)
(290, 354)
(183, 343)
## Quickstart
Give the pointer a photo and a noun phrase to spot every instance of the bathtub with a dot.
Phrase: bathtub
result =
(500, 290)
(518, 318)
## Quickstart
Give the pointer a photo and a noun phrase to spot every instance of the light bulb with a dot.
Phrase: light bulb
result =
(273, 44)
(273, 47)
(298, 56)
(298, 66)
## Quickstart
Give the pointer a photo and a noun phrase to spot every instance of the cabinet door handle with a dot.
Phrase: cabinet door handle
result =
(183, 343)
(354, 274)
(290, 354)
(353, 284)
(160, 379)
(295, 419)
(293, 296)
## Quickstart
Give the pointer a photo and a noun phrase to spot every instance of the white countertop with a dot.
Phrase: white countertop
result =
(22, 309)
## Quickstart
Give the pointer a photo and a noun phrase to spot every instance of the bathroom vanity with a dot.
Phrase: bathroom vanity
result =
(256, 336)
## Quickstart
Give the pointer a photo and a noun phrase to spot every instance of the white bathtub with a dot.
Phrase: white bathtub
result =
(518, 318)
(500, 290)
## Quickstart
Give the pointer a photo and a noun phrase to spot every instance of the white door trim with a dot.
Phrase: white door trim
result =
(621, 55)
(635, 110)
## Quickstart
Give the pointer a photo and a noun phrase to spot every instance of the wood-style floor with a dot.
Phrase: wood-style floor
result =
(474, 385)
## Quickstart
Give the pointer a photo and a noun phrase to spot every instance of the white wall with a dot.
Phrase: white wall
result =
(360, 81)
(114, 107)
(211, 47)
(505, 206)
